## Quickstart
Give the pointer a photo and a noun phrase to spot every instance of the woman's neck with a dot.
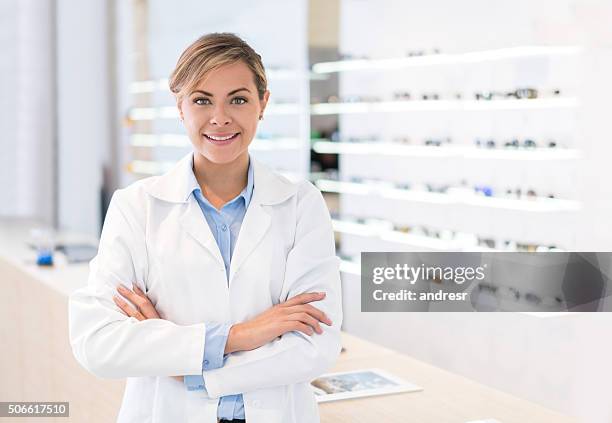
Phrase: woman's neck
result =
(220, 183)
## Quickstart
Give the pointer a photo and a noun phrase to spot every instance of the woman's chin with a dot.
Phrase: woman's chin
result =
(221, 156)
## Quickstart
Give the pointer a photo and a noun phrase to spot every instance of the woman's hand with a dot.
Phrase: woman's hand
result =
(144, 308)
(294, 314)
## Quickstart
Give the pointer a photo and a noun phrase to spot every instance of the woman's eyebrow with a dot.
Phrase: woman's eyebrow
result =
(230, 93)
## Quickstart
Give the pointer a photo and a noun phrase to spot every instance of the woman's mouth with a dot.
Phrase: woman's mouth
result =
(222, 139)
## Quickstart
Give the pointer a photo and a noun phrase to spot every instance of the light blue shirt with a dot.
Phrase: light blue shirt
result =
(225, 225)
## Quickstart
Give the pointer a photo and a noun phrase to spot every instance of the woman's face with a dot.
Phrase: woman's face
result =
(221, 113)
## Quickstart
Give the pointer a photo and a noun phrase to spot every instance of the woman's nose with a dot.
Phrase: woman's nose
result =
(220, 117)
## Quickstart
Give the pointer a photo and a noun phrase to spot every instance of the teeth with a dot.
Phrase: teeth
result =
(220, 138)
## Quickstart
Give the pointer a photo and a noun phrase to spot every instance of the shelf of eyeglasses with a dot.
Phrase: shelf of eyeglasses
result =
(152, 167)
(442, 148)
(277, 74)
(511, 298)
(385, 231)
(479, 196)
(260, 143)
(443, 105)
(433, 58)
(521, 93)
(434, 239)
(171, 112)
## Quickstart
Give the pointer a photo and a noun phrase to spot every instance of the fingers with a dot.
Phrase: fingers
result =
(313, 311)
(298, 326)
(305, 298)
(145, 304)
(140, 300)
(127, 309)
(307, 319)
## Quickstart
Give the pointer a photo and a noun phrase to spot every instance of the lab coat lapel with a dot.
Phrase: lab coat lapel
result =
(269, 190)
(176, 186)
(194, 223)
(254, 227)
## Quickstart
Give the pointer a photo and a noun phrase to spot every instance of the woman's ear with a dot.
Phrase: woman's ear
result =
(179, 106)
(264, 102)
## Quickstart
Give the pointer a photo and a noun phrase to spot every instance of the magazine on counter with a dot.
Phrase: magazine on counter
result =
(359, 383)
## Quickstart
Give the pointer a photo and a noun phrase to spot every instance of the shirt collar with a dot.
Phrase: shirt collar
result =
(177, 184)
(246, 194)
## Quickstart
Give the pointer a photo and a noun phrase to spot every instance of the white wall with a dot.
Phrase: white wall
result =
(84, 126)
(27, 109)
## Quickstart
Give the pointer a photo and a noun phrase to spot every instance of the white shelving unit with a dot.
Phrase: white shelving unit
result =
(480, 47)
(548, 68)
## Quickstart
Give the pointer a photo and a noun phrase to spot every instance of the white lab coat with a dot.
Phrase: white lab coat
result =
(155, 235)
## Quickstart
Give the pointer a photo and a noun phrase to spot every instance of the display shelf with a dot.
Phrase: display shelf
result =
(140, 87)
(182, 141)
(454, 197)
(369, 231)
(443, 105)
(383, 148)
(444, 59)
(157, 167)
(171, 112)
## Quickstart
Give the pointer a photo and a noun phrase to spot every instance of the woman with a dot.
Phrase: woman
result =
(202, 287)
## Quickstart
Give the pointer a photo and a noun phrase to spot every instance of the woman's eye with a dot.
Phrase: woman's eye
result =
(239, 100)
(201, 101)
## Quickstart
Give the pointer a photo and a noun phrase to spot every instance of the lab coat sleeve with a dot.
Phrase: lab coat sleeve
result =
(104, 340)
(311, 266)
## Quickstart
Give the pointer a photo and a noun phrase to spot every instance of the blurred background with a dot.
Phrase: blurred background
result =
(470, 125)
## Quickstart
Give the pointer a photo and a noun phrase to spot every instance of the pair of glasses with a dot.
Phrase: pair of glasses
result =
(436, 142)
(525, 93)
(519, 93)
(528, 143)
(354, 99)
(514, 143)
(516, 295)
(486, 242)
(351, 56)
(370, 138)
(439, 189)
(401, 95)
(416, 53)
(430, 96)
(522, 194)
(531, 248)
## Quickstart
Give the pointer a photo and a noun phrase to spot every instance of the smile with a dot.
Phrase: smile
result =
(221, 139)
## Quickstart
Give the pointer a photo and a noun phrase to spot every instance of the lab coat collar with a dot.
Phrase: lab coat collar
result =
(177, 185)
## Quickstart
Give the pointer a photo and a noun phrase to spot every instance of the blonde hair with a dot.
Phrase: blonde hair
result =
(210, 52)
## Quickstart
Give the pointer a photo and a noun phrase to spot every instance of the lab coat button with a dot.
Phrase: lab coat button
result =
(205, 363)
(256, 403)
(224, 227)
